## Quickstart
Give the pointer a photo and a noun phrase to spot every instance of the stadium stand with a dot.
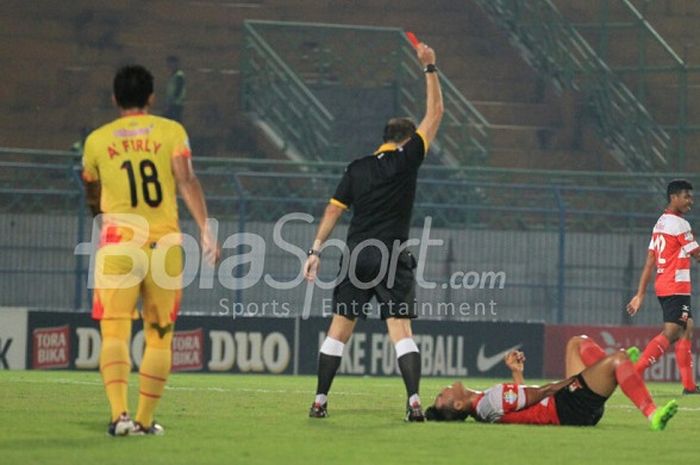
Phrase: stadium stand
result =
(78, 48)
(652, 46)
(565, 237)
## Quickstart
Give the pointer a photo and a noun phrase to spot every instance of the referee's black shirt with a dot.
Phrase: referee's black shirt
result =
(381, 189)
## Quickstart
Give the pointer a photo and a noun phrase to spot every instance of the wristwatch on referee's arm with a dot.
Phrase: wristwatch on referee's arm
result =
(430, 68)
(312, 251)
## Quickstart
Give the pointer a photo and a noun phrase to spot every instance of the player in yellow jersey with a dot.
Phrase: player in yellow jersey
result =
(132, 168)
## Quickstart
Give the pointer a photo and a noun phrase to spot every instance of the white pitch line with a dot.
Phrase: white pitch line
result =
(262, 391)
(632, 407)
(188, 388)
(54, 381)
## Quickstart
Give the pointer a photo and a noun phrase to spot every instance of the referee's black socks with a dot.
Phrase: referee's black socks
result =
(328, 362)
(410, 365)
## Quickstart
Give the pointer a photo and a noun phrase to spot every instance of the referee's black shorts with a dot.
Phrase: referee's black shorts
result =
(396, 297)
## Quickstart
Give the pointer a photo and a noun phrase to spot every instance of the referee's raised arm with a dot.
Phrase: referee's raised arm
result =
(434, 108)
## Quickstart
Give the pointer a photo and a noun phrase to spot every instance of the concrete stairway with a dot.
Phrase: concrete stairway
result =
(676, 21)
(58, 59)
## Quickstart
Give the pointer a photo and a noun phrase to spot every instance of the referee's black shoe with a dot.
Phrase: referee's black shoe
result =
(414, 413)
(318, 411)
(690, 392)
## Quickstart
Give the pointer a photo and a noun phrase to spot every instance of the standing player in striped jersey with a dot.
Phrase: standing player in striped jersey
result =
(131, 168)
(579, 400)
(672, 244)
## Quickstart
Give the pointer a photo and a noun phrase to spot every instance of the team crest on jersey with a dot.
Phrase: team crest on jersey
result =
(510, 396)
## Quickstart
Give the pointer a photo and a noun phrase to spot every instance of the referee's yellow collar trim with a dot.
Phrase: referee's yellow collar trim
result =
(391, 146)
(387, 147)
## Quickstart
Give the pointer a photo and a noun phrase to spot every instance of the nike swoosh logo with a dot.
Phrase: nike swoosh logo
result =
(484, 363)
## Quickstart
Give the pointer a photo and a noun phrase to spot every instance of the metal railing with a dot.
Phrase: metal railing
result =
(277, 96)
(653, 59)
(326, 101)
(569, 242)
(44, 172)
(551, 44)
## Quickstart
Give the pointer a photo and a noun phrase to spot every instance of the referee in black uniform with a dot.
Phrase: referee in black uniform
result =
(380, 188)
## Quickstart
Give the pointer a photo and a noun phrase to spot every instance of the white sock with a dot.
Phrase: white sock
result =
(415, 398)
(321, 399)
(405, 346)
(332, 347)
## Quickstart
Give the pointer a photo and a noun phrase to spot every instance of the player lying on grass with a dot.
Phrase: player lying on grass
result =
(578, 400)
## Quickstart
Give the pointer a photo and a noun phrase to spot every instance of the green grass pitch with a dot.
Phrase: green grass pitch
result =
(60, 417)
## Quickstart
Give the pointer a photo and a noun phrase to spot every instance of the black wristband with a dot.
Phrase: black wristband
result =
(431, 68)
(311, 252)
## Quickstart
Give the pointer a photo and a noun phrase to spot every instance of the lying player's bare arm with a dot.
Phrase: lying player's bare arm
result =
(535, 395)
(515, 360)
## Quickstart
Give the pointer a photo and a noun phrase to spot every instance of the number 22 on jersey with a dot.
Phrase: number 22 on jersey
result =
(659, 244)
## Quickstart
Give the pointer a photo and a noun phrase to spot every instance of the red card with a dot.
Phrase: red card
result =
(412, 38)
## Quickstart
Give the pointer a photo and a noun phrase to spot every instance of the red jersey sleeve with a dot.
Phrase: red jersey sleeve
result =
(687, 242)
